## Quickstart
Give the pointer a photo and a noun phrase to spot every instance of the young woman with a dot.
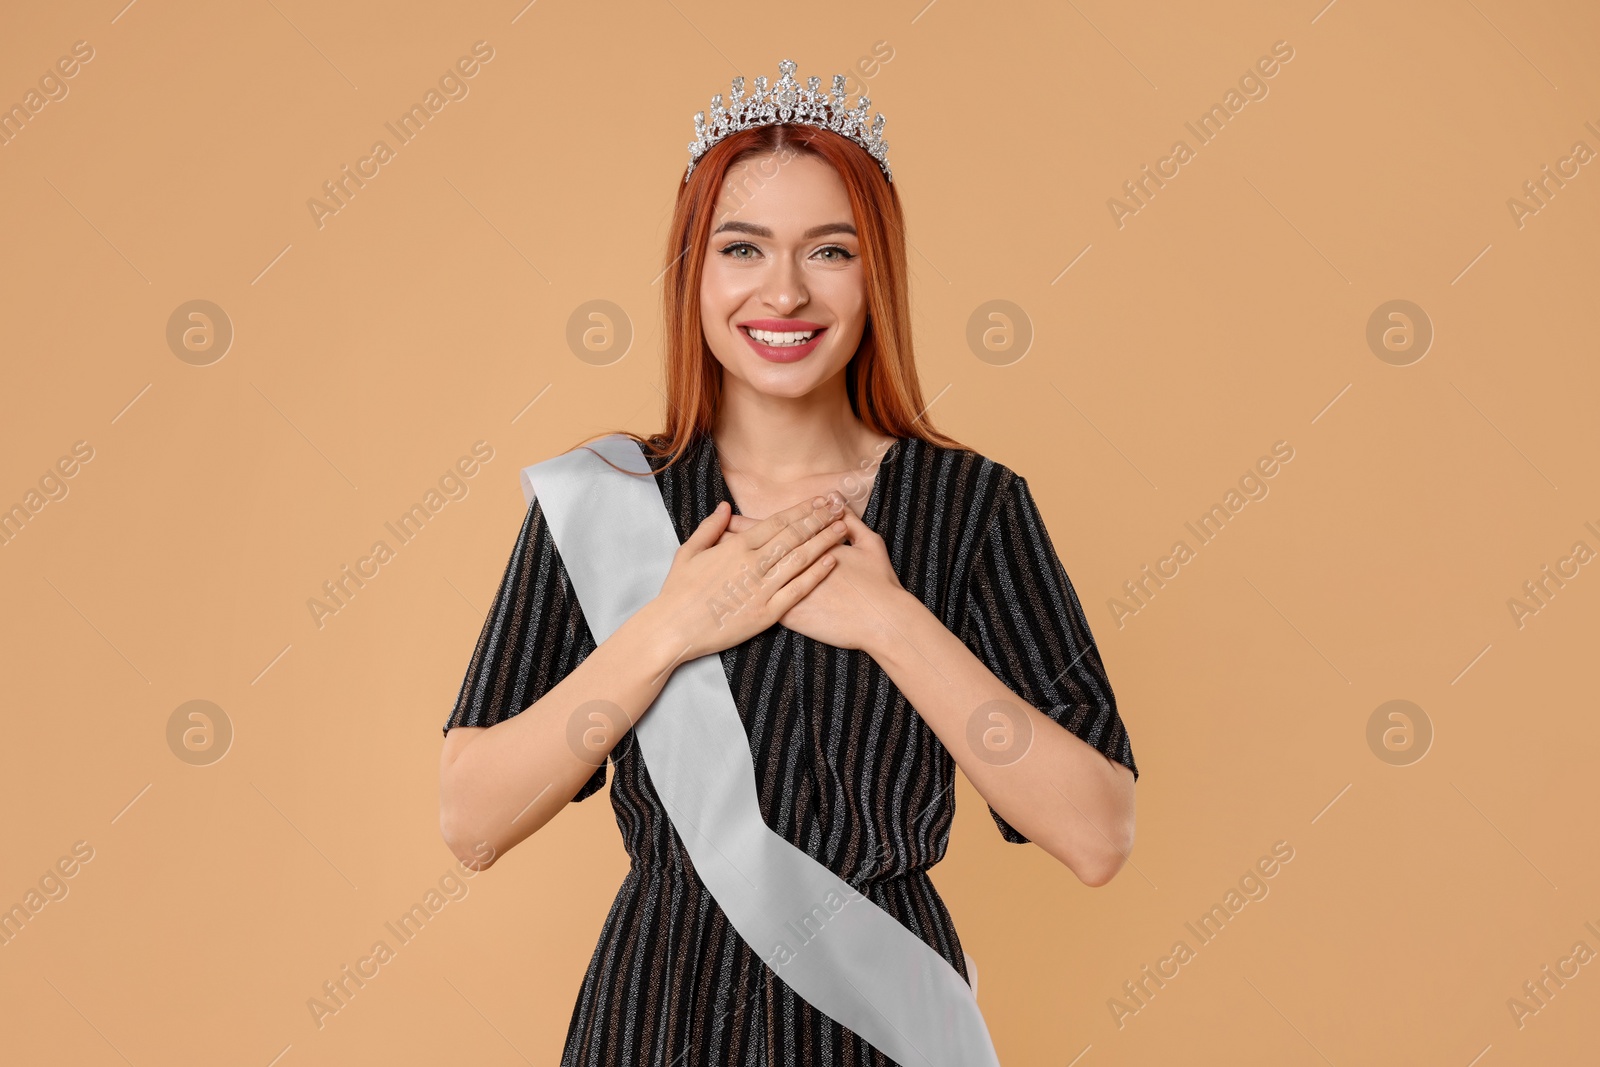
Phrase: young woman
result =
(884, 604)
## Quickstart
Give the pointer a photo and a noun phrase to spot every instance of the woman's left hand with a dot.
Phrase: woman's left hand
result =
(848, 608)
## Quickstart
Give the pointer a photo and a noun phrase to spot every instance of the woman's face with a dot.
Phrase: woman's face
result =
(783, 258)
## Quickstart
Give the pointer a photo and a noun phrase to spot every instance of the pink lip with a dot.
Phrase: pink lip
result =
(789, 353)
(781, 325)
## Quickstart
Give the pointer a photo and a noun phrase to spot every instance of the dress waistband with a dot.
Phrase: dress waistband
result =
(656, 870)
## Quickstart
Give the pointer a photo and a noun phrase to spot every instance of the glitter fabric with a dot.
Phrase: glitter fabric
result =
(845, 768)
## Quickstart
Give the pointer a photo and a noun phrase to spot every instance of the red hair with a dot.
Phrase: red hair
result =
(881, 378)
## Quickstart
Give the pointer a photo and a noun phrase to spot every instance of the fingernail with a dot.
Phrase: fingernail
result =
(817, 503)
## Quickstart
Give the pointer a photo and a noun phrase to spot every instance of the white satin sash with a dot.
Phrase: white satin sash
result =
(847, 957)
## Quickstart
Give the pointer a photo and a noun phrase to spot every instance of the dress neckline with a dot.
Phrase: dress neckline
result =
(869, 512)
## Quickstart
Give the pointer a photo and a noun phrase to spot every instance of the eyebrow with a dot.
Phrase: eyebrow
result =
(763, 231)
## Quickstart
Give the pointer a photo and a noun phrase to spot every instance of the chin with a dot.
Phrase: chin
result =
(785, 381)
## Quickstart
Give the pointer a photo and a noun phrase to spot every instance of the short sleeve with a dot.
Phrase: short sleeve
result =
(533, 637)
(1023, 619)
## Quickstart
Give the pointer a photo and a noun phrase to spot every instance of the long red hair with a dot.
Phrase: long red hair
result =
(881, 378)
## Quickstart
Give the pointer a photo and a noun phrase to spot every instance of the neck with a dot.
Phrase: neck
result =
(786, 439)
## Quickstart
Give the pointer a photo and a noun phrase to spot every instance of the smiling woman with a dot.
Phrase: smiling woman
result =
(851, 606)
(829, 273)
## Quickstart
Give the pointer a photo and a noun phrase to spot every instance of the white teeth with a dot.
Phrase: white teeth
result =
(779, 339)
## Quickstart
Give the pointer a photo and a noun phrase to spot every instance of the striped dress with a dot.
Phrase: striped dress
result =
(845, 768)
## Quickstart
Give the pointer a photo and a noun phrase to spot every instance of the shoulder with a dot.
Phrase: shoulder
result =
(962, 481)
(585, 464)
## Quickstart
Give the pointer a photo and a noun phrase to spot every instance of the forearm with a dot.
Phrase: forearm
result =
(1062, 794)
(511, 778)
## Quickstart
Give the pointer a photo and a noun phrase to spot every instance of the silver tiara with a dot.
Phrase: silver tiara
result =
(788, 102)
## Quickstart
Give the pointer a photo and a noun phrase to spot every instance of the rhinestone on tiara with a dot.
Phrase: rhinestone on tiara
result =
(786, 101)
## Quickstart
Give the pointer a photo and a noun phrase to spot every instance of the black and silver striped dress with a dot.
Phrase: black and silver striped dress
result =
(845, 768)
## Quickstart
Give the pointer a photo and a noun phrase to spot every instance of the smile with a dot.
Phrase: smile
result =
(782, 346)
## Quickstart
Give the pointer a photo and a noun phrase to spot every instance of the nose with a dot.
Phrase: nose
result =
(785, 287)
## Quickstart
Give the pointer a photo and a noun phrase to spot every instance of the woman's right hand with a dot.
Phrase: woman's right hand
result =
(718, 594)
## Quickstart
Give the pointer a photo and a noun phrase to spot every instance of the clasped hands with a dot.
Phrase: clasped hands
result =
(815, 567)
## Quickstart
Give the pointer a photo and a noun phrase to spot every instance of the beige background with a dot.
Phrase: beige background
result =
(369, 354)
